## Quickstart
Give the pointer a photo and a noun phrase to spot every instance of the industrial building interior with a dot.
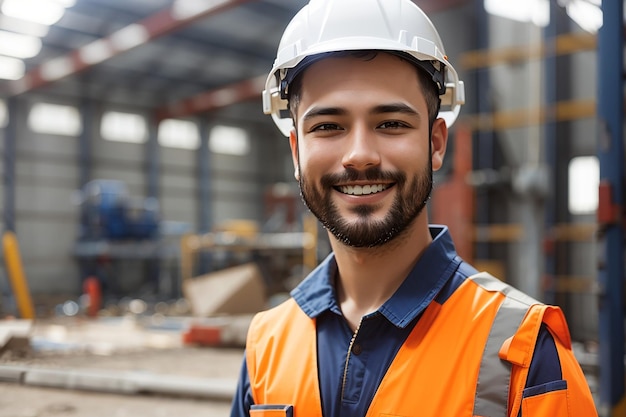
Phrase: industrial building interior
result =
(143, 184)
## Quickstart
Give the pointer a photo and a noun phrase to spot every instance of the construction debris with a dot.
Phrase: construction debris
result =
(236, 290)
(15, 337)
(225, 331)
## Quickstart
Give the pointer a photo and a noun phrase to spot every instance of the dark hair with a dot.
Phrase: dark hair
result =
(429, 88)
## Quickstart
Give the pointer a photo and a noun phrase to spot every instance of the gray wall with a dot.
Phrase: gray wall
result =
(45, 218)
(48, 177)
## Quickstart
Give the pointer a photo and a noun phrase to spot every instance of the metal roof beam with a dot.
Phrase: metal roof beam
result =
(125, 39)
(214, 99)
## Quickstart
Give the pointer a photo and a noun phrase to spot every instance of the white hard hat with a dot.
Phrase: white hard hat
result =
(345, 25)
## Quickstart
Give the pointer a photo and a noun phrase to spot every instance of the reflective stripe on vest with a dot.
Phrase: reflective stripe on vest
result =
(492, 390)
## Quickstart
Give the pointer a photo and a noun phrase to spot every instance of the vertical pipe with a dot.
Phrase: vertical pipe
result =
(10, 142)
(483, 152)
(611, 244)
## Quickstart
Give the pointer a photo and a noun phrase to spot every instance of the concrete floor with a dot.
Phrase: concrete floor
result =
(20, 401)
(117, 348)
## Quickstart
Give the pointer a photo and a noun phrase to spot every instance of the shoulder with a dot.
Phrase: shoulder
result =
(279, 312)
(277, 320)
(490, 283)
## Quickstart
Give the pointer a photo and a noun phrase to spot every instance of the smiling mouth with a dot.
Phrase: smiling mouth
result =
(363, 189)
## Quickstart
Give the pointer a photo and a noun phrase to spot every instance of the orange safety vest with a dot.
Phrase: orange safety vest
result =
(463, 358)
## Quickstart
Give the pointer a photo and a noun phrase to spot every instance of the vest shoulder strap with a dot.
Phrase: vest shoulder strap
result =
(494, 378)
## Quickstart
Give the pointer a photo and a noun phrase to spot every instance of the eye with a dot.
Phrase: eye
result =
(325, 127)
(393, 124)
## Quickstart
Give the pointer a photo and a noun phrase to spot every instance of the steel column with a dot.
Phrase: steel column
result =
(153, 156)
(204, 180)
(205, 212)
(610, 209)
(550, 149)
(8, 178)
(484, 141)
(85, 143)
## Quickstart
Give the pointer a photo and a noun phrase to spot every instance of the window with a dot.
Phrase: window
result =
(55, 119)
(123, 127)
(584, 180)
(229, 140)
(181, 134)
(4, 116)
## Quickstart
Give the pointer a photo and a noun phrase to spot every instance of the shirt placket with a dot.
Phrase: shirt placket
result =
(354, 370)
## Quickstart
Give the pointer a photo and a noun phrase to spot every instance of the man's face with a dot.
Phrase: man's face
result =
(362, 152)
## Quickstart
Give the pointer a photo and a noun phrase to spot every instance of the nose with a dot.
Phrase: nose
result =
(362, 150)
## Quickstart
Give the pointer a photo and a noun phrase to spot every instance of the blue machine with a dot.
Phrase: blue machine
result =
(109, 212)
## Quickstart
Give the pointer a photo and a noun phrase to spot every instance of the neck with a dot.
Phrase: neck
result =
(370, 276)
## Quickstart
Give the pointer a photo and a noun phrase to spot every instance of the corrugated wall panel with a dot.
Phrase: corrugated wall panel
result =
(178, 193)
(46, 180)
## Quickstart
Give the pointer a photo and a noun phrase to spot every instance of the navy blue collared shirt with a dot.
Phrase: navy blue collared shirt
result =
(348, 382)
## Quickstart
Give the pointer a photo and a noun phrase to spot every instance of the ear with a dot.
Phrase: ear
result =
(293, 143)
(439, 141)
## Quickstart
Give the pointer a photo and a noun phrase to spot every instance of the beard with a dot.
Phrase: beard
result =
(410, 199)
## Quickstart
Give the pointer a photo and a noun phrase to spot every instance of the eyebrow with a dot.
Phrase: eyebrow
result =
(323, 111)
(395, 108)
(380, 109)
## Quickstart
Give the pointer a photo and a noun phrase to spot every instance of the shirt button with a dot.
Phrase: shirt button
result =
(357, 349)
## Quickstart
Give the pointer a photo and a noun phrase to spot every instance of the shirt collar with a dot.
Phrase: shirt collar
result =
(316, 293)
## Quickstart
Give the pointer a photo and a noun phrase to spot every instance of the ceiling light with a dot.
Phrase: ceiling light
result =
(57, 68)
(24, 27)
(185, 9)
(95, 52)
(18, 45)
(534, 11)
(65, 3)
(38, 11)
(11, 68)
(587, 14)
(129, 37)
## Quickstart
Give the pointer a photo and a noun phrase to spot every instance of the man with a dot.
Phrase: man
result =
(393, 322)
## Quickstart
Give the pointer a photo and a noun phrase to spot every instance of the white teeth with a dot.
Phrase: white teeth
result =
(362, 190)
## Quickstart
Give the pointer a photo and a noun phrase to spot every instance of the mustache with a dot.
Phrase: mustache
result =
(373, 174)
